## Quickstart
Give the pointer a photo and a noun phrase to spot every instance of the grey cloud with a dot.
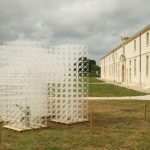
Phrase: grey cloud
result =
(95, 22)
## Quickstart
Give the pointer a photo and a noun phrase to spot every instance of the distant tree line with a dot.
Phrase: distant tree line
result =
(88, 66)
(94, 70)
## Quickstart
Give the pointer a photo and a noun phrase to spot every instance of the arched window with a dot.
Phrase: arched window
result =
(134, 67)
(147, 65)
(147, 38)
(134, 45)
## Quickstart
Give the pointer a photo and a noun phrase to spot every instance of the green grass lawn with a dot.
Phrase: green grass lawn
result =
(109, 90)
(117, 125)
(94, 80)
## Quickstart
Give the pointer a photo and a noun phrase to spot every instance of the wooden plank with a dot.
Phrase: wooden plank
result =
(23, 129)
(91, 120)
(68, 122)
(145, 115)
(1, 136)
(14, 128)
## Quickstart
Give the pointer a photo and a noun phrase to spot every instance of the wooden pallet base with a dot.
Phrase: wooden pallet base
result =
(23, 129)
(68, 122)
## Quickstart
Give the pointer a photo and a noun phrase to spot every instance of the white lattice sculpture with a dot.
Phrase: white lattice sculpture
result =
(69, 84)
(37, 83)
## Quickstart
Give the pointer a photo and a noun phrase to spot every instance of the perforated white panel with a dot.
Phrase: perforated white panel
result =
(36, 83)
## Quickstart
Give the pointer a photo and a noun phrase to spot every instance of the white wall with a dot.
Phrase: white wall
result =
(112, 69)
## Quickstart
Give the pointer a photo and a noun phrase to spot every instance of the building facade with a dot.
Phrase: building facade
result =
(129, 62)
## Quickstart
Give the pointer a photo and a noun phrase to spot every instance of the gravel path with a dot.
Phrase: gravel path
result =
(146, 97)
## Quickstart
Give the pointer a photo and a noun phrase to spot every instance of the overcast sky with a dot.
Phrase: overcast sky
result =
(98, 23)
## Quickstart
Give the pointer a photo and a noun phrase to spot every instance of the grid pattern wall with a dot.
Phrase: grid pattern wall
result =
(37, 83)
(68, 88)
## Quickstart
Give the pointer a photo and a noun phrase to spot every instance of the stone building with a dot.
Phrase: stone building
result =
(129, 62)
